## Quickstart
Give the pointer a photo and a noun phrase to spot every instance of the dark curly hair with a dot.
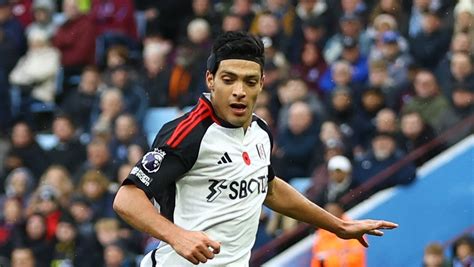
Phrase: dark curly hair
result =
(236, 45)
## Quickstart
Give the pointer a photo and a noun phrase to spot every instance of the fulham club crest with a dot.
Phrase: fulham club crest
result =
(151, 162)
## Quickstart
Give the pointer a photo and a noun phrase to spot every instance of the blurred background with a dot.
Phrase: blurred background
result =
(369, 101)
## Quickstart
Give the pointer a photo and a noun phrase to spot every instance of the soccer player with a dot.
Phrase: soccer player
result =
(201, 187)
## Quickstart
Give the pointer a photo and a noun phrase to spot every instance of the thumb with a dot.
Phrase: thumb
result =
(363, 241)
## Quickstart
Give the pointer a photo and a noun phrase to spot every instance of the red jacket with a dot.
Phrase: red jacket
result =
(114, 16)
(76, 41)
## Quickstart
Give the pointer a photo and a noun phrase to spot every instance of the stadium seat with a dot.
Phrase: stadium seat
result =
(155, 118)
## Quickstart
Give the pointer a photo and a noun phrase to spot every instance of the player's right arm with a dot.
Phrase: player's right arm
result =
(133, 205)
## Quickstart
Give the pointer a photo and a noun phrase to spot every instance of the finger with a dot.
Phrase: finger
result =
(192, 259)
(375, 232)
(216, 246)
(386, 225)
(363, 241)
(201, 258)
(206, 251)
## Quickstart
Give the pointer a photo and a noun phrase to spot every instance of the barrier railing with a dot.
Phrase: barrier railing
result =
(280, 243)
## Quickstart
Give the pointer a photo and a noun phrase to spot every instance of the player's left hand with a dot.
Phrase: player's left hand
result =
(357, 229)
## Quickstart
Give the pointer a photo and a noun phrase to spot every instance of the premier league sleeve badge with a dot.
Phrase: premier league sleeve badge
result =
(151, 162)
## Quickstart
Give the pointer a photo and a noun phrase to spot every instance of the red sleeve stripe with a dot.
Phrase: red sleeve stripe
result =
(213, 116)
(181, 137)
(184, 127)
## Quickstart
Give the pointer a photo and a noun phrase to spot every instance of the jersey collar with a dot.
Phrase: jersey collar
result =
(206, 97)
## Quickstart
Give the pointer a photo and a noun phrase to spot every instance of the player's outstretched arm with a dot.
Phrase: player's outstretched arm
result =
(132, 204)
(286, 200)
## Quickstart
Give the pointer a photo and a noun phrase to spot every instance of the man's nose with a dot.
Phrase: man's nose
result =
(239, 90)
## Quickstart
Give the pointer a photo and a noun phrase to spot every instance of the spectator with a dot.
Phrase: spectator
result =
(23, 257)
(386, 121)
(351, 26)
(73, 249)
(34, 237)
(115, 17)
(232, 22)
(81, 212)
(68, 152)
(134, 96)
(108, 231)
(396, 59)
(434, 256)
(416, 133)
(296, 143)
(203, 9)
(45, 202)
(126, 133)
(462, 98)
(351, 53)
(338, 75)
(463, 251)
(392, 8)
(20, 185)
(340, 182)
(372, 101)
(311, 30)
(94, 187)
(331, 251)
(460, 43)
(37, 79)
(25, 149)
(464, 15)
(342, 109)
(75, 38)
(384, 153)
(461, 72)
(246, 10)
(12, 27)
(103, 116)
(22, 11)
(98, 159)
(43, 11)
(431, 43)
(115, 255)
(380, 78)
(284, 12)
(433, 107)
(155, 78)
(58, 178)
(266, 24)
(312, 67)
(79, 103)
(384, 23)
(10, 225)
(291, 91)
(315, 9)
(418, 8)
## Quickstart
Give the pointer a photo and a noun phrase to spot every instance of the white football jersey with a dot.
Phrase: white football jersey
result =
(207, 175)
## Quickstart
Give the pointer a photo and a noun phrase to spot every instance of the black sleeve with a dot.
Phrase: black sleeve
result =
(160, 168)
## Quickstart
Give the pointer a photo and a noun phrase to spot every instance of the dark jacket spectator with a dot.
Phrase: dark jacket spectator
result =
(79, 103)
(25, 148)
(68, 152)
(94, 187)
(384, 154)
(415, 133)
(296, 143)
(429, 46)
(98, 159)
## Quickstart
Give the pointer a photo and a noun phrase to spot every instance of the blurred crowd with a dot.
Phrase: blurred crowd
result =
(351, 87)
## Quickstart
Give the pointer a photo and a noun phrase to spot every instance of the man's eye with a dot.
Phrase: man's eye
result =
(252, 83)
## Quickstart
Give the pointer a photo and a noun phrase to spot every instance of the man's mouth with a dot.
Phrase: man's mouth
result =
(238, 108)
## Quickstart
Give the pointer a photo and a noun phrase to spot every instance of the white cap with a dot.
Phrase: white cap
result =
(339, 163)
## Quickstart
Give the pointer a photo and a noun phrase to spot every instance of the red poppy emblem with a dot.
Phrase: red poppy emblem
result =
(246, 158)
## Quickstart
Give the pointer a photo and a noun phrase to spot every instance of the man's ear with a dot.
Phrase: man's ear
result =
(210, 80)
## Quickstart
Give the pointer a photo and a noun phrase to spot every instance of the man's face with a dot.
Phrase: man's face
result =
(412, 125)
(383, 147)
(234, 90)
(425, 85)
